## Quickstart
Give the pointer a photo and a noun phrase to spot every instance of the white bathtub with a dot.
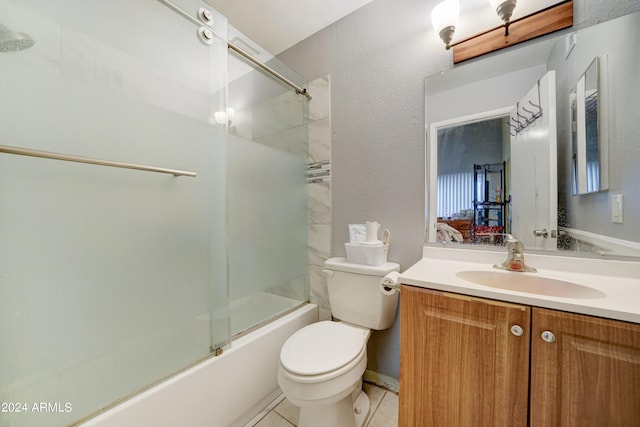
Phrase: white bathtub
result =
(224, 391)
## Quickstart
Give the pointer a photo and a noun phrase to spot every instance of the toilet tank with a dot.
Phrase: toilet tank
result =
(355, 294)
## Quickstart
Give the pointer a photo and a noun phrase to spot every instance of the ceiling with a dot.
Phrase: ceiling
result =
(276, 25)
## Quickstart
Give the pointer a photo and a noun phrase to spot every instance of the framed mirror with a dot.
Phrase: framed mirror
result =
(585, 223)
(589, 130)
(502, 173)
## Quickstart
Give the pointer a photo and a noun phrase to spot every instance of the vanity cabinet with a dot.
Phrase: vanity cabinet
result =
(589, 375)
(467, 361)
(460, 365)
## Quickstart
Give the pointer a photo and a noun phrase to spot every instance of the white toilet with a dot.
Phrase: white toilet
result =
(321, 365)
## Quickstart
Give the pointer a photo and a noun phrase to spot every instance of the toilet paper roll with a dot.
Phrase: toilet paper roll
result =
(389, 284)
(372, 228)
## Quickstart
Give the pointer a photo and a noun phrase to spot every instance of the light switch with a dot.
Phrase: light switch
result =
(617, 207)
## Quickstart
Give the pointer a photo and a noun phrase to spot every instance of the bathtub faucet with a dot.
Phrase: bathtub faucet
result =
(515, 256)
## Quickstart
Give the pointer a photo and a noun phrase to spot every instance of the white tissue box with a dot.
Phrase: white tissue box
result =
(369, 255)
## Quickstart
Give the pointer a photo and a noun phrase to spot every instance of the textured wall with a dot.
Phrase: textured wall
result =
(378, 58)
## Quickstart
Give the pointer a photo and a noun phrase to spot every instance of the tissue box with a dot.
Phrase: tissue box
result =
(369, 255)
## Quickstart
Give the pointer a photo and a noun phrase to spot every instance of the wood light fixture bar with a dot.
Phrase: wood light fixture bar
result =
(537, 24)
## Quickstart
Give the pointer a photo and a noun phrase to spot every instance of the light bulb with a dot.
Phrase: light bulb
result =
(444, 18)
(445, 14)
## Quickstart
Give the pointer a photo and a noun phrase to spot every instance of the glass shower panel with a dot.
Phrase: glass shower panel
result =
(268, 265)
(110, 279)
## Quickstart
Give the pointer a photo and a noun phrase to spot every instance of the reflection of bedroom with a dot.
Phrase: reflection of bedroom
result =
(472, 187)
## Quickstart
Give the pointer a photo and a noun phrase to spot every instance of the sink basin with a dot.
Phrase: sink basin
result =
(532, 284)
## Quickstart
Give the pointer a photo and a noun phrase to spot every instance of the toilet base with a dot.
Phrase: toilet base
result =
(361, 409)
(344, 413)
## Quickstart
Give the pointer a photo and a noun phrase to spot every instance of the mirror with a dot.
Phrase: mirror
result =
(589, 136)
(598, 223)
(503, 174)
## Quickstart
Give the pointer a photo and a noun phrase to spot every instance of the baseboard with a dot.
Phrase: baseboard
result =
(381, 380)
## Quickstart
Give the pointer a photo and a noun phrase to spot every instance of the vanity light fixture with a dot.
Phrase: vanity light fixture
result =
(504, 9)
(444, 18)
(553, 18)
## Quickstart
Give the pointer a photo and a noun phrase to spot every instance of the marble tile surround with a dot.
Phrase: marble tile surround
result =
(319, 219)
(320, 203)
(319, 140)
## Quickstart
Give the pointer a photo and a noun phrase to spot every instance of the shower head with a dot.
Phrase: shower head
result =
(11, 41)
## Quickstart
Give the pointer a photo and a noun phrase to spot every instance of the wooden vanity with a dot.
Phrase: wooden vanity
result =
(468, 361)
(476, 361)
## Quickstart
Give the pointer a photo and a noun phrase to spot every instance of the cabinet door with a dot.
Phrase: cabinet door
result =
(460, 364)
(588, 376)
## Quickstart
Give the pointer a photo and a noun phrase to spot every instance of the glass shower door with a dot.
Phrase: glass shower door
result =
(110, 279)
(268, 156)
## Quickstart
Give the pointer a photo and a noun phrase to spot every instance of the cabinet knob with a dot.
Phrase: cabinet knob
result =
(517, 330)
(548, 336)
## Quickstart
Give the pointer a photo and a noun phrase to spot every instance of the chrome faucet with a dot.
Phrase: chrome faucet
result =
(515, 256)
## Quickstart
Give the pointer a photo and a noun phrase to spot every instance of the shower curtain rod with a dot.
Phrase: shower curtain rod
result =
(299, 90)
(79, 159)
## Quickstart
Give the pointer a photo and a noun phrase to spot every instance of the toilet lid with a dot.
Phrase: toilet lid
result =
(322, 347)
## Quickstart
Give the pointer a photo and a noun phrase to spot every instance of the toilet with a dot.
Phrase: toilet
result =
(321, 365)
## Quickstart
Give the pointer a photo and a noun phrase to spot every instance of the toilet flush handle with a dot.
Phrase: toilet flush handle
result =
(329, 273)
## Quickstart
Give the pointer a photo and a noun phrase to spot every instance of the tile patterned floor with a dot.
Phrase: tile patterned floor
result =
(384, 410)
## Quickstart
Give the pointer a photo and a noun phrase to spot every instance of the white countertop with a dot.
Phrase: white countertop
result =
(618, 281)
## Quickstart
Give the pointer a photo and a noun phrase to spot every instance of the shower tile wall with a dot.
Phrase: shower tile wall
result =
(319, 193)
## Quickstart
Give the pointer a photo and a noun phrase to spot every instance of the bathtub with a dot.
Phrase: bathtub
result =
(223, 391)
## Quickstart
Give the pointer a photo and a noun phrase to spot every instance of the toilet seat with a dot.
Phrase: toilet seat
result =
(322, 348)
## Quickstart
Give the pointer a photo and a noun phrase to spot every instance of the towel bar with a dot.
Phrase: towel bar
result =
(78, 159)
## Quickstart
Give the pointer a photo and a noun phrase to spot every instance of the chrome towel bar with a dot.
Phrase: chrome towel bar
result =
(78, 159)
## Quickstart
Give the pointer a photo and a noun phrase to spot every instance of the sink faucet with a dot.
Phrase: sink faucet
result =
(515, 256)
